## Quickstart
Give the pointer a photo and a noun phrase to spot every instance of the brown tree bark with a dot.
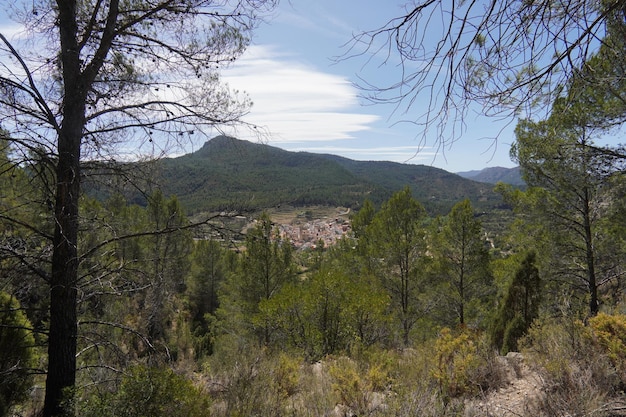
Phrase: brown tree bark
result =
(64, 275)
(62, 337)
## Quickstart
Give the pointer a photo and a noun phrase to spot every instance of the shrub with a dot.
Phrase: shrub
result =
(286, 376)
(361, 384)
(515, 329)
(247, 381)
(580, 376)
(609, 334)
(557, 347)
(351, 387)
(456, 359)
(17, 353)
(519, 307)
(414, 389)
(150, 392)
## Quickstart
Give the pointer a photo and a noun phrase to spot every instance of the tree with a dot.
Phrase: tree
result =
(329, 311)
(207, 275)
(25, 230)
(569, 194)
(169, 260)
(132, 276)
(264, 268)
(463, 264)
(359, 222)
(397, 239)
(363, 218)
(519, 307)
(598, 87)
(107, 73)
(506, 56)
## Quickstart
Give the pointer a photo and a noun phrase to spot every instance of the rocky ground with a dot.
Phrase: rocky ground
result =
(525, 389)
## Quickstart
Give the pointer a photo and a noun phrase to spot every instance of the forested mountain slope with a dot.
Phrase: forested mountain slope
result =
(227, 173)
(494, 175)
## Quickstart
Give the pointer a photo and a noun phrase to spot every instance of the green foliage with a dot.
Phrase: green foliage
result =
(362, 219)
(227, 174)
(570, 179)
(609, 333)
(595, 94)
(150, 392)
(514, 330)
(25, 228)
(457, 358)
(207, 274)
(328, 313)
(462, 265)
(396, 239)
(266, 266)
(167, 250)
(519, 307)
(18, 354)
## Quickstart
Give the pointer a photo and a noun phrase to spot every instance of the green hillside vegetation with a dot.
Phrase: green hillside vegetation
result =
(406, 315)
(495, 175)
(436, 297)
(230, 174)
(227, 173)
(436, 189)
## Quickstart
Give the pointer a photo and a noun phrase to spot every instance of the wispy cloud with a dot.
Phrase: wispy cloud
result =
(13, 31)
(401, 154)
(296, 102)
(317, 19)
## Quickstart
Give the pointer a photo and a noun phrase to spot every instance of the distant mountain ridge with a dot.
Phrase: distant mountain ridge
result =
(227, 173)
(494, 175)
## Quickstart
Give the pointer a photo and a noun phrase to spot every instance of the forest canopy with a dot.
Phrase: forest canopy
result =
(106, 303)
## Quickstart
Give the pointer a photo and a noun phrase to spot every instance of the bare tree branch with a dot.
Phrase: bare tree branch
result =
(497, 58)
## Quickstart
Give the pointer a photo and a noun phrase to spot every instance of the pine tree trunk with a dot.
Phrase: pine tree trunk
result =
(63, 292)
(62, 338)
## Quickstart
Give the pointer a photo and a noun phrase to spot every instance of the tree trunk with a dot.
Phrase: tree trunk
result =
(62, 337)
(63, 292)
(590, 257)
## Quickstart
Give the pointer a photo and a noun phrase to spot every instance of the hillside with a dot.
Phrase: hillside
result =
(227, 174)
(436, 188)
(494, 175)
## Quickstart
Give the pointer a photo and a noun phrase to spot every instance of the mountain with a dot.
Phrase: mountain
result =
(494, 175)
(227, 174)
(436, 188)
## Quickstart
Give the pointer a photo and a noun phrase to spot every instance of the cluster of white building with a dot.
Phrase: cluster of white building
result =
(307, 235)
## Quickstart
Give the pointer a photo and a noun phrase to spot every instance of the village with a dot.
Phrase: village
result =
(305, 232)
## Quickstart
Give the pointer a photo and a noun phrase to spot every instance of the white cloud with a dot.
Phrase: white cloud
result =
(296, 102)
(401, 154)
(316, 18)
(13, 31)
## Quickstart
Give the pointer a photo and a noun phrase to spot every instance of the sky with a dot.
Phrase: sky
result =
(308, 100)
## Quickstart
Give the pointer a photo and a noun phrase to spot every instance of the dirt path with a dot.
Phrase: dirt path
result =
(515, 399)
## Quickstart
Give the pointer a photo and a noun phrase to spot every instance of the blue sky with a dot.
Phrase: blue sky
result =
(308, 101)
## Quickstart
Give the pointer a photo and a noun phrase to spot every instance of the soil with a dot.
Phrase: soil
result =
(525, 389)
